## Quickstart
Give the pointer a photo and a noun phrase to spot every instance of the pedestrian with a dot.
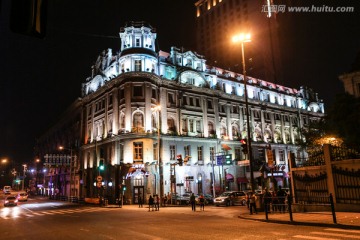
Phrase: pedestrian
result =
(202, 202)
(165, 200)
(157, 205)
(267, 200)
(193, 203)
(151, 203)
(281, 195)
(253, 203)
(140, 201)
(169, 198)
(275, 202)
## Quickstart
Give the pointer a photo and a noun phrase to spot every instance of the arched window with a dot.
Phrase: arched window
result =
(138, 122)
(211, 128)
(171, 125)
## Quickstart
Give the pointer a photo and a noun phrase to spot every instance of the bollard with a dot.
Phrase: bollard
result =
(266, 211)
(289, 207)
(332, 207)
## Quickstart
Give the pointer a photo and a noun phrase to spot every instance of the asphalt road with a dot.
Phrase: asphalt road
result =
(39, 219)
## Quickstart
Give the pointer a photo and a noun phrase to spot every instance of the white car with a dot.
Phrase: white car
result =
(22, 196)
(231, 198)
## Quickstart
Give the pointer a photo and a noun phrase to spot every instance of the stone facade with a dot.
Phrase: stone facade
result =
(141, 109)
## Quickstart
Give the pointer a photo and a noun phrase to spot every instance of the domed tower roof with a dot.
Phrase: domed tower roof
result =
(137, 38)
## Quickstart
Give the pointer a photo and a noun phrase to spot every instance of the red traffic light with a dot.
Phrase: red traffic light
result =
(243, 141)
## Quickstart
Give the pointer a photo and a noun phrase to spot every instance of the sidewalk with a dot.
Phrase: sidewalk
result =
(349, 220)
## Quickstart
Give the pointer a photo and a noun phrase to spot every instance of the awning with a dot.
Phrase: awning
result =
(229, 177)
(225, 147)
(242, 180)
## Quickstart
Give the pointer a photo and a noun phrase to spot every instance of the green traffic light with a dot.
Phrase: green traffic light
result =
(101, 167)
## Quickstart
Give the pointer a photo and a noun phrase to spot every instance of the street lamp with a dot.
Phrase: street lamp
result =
(242, 39)
(72, 169)
(24, 168)
(158, 109)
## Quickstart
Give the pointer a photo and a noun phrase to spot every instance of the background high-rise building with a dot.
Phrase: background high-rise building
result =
(218, 20)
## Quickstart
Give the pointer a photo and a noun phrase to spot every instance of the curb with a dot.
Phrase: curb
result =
(327, 225)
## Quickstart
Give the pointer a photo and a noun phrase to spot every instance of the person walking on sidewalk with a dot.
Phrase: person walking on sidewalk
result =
(157, 203)
(193, 203)
(165, 200)
(202, 202)
(253, 203)
(140, 201)
(281, 194)
(151, 203)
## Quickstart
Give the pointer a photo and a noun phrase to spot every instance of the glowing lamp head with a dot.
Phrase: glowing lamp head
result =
(242, 38)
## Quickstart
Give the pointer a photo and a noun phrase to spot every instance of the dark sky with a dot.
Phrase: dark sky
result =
(39, 78)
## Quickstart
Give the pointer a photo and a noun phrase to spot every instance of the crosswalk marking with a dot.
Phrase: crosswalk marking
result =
(336, 235)
(31, 214)
(331, 234)
(315, 238)
(342, 230)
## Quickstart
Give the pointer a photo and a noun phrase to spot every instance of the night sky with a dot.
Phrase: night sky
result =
(40, 78)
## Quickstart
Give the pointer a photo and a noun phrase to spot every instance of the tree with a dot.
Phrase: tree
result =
(343, 119)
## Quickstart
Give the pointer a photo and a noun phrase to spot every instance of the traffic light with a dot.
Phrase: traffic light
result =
(244, 146)
(228, 160)
(101, 164)
(179, 159)
(124, 188)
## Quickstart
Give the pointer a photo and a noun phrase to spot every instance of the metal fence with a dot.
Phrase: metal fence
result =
(347, 184)
(311, 189)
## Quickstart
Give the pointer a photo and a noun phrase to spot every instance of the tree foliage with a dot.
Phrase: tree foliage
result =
(343, 119)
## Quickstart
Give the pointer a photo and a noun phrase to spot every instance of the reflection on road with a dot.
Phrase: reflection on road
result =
(10, 212)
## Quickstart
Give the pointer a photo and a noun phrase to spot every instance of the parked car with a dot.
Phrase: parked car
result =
(22, 196)
(231, 198)
(7, 190)
(208, 199)
(184, 199)
(10, 201)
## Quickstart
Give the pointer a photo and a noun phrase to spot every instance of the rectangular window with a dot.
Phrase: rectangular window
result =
(171, 98)
(187, 150)
(153, 93)
(137, 42)
(197, 102)
(237, 153)
(121, 94)
(184, 100)
(281, 155)
(184, 125)
(212, 154)
(198, 126)
(155, 152)
(172, 152)
(137, 65)
(138, 151)
(110, 99)
(191, 101)
(200, 153)
(191, 125)
(209, 102)
(137, 91)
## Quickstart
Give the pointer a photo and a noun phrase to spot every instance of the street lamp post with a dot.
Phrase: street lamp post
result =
(158, 109)
(24, 168)
(242, 39)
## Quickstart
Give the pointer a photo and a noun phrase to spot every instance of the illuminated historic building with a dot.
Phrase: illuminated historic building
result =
(141, 110)
(199, 111)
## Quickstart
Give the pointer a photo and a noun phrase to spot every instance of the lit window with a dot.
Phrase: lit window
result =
(138, 151)
(200, 153)
(137, 65)
(172, 152)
